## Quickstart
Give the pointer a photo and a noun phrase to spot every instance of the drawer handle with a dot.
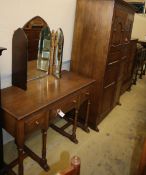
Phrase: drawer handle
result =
(87, 93)
(109, 85)
(75, 101)
(37, 123)
(123, 58)
(114, 62)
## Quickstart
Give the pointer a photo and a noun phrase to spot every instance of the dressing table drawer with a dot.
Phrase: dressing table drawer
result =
(65, 105)
(36, 121)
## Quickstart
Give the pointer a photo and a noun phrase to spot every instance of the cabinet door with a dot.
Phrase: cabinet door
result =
(107, 100)
(128, 28)
(118, 27)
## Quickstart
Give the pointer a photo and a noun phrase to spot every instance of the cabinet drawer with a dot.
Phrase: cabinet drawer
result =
(65, 105)
(36, 121)
(114, 56)
(111, 74)
(85, 94)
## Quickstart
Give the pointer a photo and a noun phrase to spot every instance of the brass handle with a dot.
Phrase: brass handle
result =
(87, 93)
(114, 62)
(58, 110)
(37, 123)
(126, 39)
(74, 101)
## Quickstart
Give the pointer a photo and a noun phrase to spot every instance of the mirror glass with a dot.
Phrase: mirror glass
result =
(38, 33)
(44, 49)
(58, 53)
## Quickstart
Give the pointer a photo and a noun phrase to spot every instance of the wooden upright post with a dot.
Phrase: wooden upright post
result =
(1, 134)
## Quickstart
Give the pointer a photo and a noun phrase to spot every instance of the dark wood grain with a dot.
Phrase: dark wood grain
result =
(40, 93)
(141, 170)
(129, 66)
(32, 30)
(99, 50)
(27, 111)
(19, 59)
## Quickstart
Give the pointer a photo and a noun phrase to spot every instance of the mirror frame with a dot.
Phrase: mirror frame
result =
(57, 68)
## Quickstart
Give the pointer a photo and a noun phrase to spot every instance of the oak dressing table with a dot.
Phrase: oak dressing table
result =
(35, 98)
(27, 111)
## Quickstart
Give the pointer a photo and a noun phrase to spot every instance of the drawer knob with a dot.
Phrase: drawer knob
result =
(74, 101)
(37, 123)
(87, 93)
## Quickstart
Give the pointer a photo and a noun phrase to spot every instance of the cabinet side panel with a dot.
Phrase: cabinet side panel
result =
(19, 59)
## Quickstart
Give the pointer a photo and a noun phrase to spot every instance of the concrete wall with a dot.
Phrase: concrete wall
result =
(15, 13)
(139, 27)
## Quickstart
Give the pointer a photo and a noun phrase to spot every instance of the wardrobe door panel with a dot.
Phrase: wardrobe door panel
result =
(118, 27)
(128, 28)
(108, 93)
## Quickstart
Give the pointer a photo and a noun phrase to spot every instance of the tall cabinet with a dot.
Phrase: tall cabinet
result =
(102, 35)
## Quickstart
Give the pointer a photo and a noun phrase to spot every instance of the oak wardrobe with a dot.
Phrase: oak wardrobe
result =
(102, 35)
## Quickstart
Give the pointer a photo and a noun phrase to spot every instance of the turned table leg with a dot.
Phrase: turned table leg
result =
(87, 117)
(20, 145)
(73, 138)
(44, 143)
(20, 160)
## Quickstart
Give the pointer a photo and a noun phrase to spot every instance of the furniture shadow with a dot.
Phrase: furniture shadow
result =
(61, 164)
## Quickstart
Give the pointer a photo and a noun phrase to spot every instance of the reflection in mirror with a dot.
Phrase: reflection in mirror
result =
(58, 53)
(33, 29)
(44, 49)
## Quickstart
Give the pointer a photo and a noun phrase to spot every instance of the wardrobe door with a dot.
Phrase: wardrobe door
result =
(128, 28)
(118, 27)
(107, 100)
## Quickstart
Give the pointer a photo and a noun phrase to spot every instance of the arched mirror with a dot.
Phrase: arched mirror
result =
(58, 53)
(36, 52)
(38, 36)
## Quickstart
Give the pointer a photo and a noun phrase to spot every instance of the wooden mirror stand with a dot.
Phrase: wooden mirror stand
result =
(36, 52)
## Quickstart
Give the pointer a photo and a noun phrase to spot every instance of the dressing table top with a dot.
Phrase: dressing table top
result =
(40, 93)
